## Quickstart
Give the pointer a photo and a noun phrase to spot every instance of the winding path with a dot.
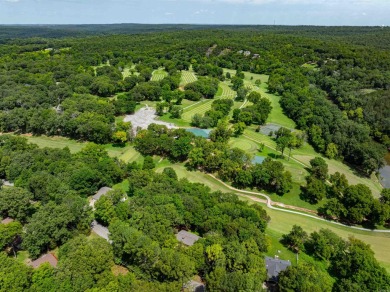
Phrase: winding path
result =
(270, 204)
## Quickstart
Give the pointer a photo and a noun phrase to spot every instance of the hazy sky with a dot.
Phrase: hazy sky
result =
(316, 12)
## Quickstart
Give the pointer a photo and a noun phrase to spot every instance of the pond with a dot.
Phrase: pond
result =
(268, 128)
(199, 132)
(384, 172)
(258, 159)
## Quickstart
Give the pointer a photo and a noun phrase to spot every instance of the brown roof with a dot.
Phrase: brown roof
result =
(7, 220)
(46, 258)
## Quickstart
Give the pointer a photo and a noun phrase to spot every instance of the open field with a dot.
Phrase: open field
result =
(282, 223)
(304, 154)
(224, 91)
(276, 116)
(187, 77)
(159, 74)
(126, 153)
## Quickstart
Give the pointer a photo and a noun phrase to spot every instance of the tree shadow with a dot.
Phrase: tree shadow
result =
(118, 145)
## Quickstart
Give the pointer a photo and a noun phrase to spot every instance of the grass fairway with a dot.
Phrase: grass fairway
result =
(276, 116)
(224, 91)
(304, 154)
(159, 74)
(126, 153)
(282, 223)
(187, 77)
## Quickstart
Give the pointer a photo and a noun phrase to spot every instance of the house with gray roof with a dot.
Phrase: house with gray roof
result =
(103, 191)
(187, 238)
(274, 266)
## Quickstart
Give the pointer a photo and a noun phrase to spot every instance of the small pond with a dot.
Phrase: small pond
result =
(200, 132)
(268, 128)
(258, 159)
(384, 172)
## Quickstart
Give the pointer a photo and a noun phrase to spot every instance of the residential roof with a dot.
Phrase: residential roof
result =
(46, 258)
(274, 267)
(195, 286)
(7, 220)
(101, 192)
(187, 238)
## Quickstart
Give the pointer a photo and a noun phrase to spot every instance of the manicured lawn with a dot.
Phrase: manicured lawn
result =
(126, 153)
(187, 77)
(55, 142)
(281, 223)
(306, 153)
(159, 74)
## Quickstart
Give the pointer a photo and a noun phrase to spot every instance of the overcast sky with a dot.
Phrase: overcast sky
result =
(290, 12)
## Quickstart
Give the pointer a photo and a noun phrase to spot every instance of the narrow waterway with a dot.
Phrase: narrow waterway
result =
(384, 172)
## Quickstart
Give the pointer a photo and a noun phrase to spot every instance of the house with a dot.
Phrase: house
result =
(101, 192)
(274, 266)
(187, 238)
(46, 258)
(7, 220)
(194, 286)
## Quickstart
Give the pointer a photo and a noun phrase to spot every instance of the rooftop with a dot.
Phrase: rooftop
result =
(187, 238)
(7, 220)
(47, 258)
(101, 192)
(274, 267)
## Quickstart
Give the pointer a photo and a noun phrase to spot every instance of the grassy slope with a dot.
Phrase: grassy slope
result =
(126, 153)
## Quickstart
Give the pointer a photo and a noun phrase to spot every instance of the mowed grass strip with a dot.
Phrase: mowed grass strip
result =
(187, 77)
(158, 75)
(126, 153)
(224, 91)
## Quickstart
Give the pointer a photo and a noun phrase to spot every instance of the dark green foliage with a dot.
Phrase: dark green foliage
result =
(319, 168)
(15, 276)
(208, 87)
(296, 239)
(315, 190)
(148, 163)
(53, 225)
(83, 262)
(15, 203)
(305, 278)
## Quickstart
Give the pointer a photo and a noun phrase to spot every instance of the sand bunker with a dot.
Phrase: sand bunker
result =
(144, 117)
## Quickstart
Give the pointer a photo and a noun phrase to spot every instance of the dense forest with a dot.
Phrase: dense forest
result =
(79, 81)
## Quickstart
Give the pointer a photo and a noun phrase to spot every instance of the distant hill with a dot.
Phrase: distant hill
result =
(374, 36)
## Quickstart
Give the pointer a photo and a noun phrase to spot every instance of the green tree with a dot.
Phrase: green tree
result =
(319, 168)
(148, 163)
(305, 278)
(296, 239)
(83, 262)
(315, 189)
(15, 203)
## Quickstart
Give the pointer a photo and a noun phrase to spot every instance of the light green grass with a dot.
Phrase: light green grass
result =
(224, 91)
(126, 153)
(281, 223)
(178, 122)
(159, 74)
(187, 77)
(276, 116)
(306, 153)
